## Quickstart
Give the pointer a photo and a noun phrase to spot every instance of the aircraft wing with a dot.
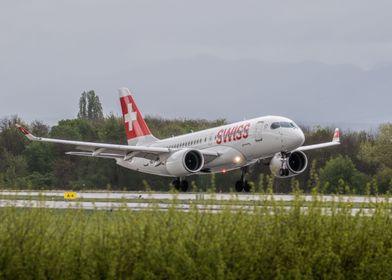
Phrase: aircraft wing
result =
(102, 150)
(335, 141)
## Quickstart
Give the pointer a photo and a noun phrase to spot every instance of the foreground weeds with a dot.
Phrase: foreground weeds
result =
(271, 242)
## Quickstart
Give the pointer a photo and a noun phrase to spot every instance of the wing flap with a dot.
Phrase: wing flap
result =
(101, 155)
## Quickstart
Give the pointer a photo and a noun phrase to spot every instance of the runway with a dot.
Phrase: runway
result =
(105, 195)
(184, 207)
(203, 202)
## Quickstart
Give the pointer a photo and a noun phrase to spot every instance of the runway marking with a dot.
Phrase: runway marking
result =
(202, 196)
(210, 208)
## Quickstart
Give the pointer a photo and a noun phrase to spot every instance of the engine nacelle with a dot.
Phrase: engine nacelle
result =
(184, 162)
(295, 163)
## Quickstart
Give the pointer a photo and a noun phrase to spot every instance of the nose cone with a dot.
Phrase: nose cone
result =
(293, 139)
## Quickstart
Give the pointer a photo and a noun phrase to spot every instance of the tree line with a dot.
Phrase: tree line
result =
(360, 165)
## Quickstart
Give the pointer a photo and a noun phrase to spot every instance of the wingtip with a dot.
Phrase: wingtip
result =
(336, 135)
(25, 132)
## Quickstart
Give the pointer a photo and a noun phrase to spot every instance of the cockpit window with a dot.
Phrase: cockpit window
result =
(275, 125)
(286, 124)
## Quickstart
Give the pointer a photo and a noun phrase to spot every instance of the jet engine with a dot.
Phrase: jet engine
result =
(184, 162)
(289, 165)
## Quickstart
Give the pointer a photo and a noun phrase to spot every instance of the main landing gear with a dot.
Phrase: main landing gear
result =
(242, 185)
(180, 184)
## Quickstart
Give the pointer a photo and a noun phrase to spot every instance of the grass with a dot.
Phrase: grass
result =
(267, 243)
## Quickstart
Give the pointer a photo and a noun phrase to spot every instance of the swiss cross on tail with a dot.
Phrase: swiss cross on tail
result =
(130, 117)
(135, 126)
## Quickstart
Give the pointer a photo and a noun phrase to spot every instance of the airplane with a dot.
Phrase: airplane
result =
(238, 145)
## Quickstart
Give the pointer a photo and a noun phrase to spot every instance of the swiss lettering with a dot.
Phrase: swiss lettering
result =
(233, 133)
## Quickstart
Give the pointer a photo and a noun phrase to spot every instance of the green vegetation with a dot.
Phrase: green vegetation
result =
(360, 165)
(273, 242)
(90, 107)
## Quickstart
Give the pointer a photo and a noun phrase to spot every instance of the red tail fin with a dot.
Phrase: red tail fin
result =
(135, 126)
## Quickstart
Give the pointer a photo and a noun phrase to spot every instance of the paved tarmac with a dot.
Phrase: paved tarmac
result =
(164, 201)
(197, 196)
(138, 206)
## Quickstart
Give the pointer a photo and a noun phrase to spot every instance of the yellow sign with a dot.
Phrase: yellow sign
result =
(70, 195)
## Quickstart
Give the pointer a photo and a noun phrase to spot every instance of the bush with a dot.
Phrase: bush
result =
(267, 243)
(341, 176)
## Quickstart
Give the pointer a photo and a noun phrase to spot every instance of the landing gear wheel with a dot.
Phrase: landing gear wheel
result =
(247, 186)
(243, 185)
(239, 186)
(184, 186)
(284, 171)
(176, 183)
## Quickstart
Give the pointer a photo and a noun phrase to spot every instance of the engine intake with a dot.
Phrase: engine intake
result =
(184, 162)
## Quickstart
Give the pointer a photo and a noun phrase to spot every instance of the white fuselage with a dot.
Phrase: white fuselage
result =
(238, 145)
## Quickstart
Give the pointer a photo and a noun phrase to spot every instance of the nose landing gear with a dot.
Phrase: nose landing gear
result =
(284, 171)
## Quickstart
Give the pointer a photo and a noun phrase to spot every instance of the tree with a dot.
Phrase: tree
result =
(11, 140)
(39, 129)
(39, 157)
(340, 174)
(379, 151)
(90, 106)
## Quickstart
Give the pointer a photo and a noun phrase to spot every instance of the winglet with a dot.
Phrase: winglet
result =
(26, 132)
(336, 136)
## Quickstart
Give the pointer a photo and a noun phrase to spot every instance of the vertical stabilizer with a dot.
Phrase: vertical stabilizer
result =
(136, 128)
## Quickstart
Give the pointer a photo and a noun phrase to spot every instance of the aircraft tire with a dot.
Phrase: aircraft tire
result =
(184, 186)
(239, 186)
(247, 186)
(176, 183)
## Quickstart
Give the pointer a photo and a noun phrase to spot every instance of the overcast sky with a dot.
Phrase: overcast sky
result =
(182, 58)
